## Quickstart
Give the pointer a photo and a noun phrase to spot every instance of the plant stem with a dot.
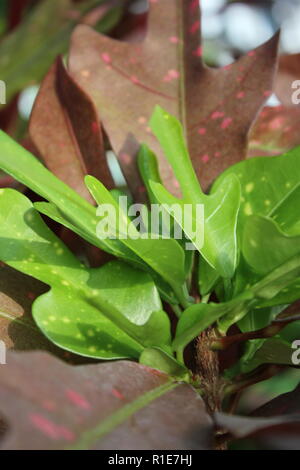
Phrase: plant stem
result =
(177, 310)
(207, 363)
(179, 356)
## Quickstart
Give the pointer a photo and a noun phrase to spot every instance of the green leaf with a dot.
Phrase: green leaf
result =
(207, 277)
(273, 351)
(275, 289)
(164, 256)
(24, 167)
(77, 214)
(286, 216)
(148, 167)
(267, 183)
(261, 294)
(119, 300)
(255, 320)
(265, 246)
(198, 317)
(220, 208)
(160, 360)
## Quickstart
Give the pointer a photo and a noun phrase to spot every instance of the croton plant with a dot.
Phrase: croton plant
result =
(155, 343)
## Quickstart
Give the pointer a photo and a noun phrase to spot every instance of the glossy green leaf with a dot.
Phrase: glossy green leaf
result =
(255, 320)
(118, 300)
(267, 183)
(24, 167)
(207, 277)
(198, 317)
(275, 289)
(220, 208)
(163, 255)
(285, 214)
(149, 171)
(160, 360)
(273, 351)
(263, 293)
(265, 246)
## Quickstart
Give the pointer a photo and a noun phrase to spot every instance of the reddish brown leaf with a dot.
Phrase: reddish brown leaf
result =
(283, 405)
(49, 405)
(216, 106)
(288, 72)
(275, 425)
(280, 432)
(277, 129)
(66, 131)
(275, 132)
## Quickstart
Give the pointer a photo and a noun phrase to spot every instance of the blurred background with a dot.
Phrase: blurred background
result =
(34, 32)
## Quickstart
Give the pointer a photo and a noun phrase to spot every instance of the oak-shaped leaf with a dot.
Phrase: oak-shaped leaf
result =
(122, 405)
(66, 131)
(216, 106)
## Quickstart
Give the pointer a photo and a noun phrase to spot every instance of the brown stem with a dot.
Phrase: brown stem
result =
(207, 364)
(220, 344)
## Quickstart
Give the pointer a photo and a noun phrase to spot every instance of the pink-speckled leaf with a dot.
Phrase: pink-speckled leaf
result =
(216, 106)
(288, 72)
(275, 132)
(66, 131)
(47, 404)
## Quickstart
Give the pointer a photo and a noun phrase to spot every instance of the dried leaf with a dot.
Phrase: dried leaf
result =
(216, 107)
(49, 405)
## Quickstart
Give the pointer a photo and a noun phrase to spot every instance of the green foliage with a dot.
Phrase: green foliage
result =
(250, 258)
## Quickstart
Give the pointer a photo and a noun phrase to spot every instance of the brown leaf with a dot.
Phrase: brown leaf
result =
(244, 426)
(275, 425)
(288, 72)
(216, 106)
(275, 132)
(49, 405)
(283, 405)
(66, 131)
